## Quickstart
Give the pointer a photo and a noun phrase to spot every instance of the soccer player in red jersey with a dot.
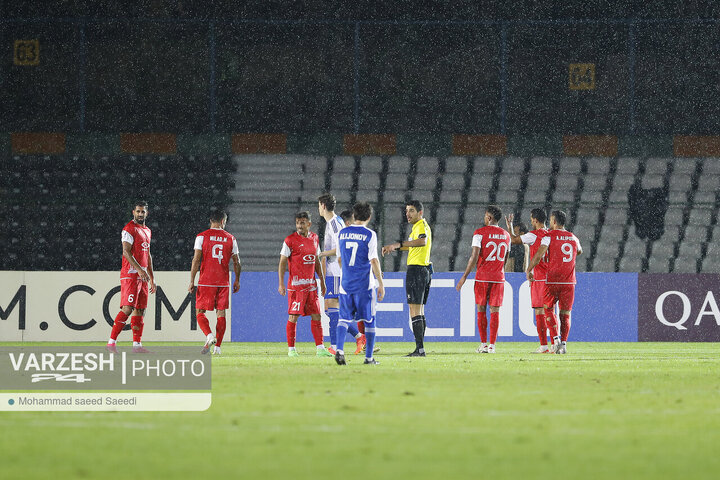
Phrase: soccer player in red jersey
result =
(490, 246)
(213, 250)
(562, 249)
(136, 278)
(537, 286)
(299, 254)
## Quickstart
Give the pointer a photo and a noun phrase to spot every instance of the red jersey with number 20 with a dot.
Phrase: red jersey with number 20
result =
(563, 247)
(139, 237)
(494, 244)
(217, 247)
(301, 253)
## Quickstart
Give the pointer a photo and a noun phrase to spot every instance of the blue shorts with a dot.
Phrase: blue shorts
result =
(332, 287)
(357, 306)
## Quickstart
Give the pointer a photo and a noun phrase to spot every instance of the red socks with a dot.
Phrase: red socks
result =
(119, 324)
(482, 324)
(220, 330)
(361, 327)
(136, 324)
(317, 332)
(541, 328)
(203, 323)
(551, 322)
(564, 326)
(494, 325)
(291, 329)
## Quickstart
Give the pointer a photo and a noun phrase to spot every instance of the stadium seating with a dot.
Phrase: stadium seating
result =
(72, 207)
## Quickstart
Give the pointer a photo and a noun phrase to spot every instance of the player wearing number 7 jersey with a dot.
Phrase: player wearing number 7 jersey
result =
(490, 246)
(213, 250)
(562, 249)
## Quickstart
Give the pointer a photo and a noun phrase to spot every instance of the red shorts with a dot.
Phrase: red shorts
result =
(133, 292)
(537, 294)
(303, 302)
(212, 298)
(487, 293)
(562, 293)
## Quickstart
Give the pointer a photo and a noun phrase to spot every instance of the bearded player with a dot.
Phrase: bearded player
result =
(300, 254)
(562, 249)
(533, 239)
(136, 278)
(213, 250)
(490, 246)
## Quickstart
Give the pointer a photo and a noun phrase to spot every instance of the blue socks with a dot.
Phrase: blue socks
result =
(342, 329)
(334, 315)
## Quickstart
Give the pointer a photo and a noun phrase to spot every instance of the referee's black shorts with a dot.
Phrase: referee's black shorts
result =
(417, 284)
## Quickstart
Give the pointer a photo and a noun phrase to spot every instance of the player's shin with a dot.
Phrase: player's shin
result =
(291, 330)
(494, 326)
(551, 322)
(317, 332)
(203, 323)
(370, 338)
(342, 329)
(564, 326)
(220, 330)
(136, 324)
(541, 328)
(333, 314)
(118, 325)
(482, 324)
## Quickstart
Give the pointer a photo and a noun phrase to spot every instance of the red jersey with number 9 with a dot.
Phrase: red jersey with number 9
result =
(217, 247)
(494, 244)
(562, 252)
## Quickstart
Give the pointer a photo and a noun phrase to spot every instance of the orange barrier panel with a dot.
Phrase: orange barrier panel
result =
(165, 143)
(479, 145)
(370, 144)
(46, 143)
(259, 143)
(696, 146)
(590, 145)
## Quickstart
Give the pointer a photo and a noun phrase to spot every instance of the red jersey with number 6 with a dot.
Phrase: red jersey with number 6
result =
(563, 247)
(217, 247)
(139, 237)
(301, 253)
(494, 244)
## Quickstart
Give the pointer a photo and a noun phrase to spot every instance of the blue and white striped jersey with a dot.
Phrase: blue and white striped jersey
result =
(357, 245)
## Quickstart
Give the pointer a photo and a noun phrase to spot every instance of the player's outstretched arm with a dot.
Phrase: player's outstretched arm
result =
(282, 268)
(194, 267)
(375, 265)
(514, 239)
(472, 262)
(237, 267)
(321, 276)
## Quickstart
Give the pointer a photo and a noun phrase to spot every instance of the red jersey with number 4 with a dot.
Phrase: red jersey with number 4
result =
(139, 237)
(494, 244)
(562, 251)
(217, 247)
(301, 253)
(533, 239)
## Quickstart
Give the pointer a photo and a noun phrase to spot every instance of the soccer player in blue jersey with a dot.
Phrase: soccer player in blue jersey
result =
(357, 249)
(331, 268)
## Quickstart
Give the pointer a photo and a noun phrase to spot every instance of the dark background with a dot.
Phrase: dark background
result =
(365, 67)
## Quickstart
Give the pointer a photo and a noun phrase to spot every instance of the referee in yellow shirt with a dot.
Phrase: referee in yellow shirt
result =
(419, 271)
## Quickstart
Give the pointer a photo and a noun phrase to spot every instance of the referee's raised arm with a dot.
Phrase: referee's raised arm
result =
(419, 270)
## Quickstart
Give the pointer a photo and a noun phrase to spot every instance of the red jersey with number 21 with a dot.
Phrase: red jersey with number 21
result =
(301, 253)
(494, 244)
(562, 252)
(218, 247)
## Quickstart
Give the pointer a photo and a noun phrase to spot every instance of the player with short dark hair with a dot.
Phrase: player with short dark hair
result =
(136, 278)
(533, 239)
(562, 248)
(299, 254)
(419, 270)
(357, 247)
(490, 245)
(214, 248)
(331, 268)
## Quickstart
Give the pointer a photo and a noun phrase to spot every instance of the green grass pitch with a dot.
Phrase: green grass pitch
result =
(604, 410)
